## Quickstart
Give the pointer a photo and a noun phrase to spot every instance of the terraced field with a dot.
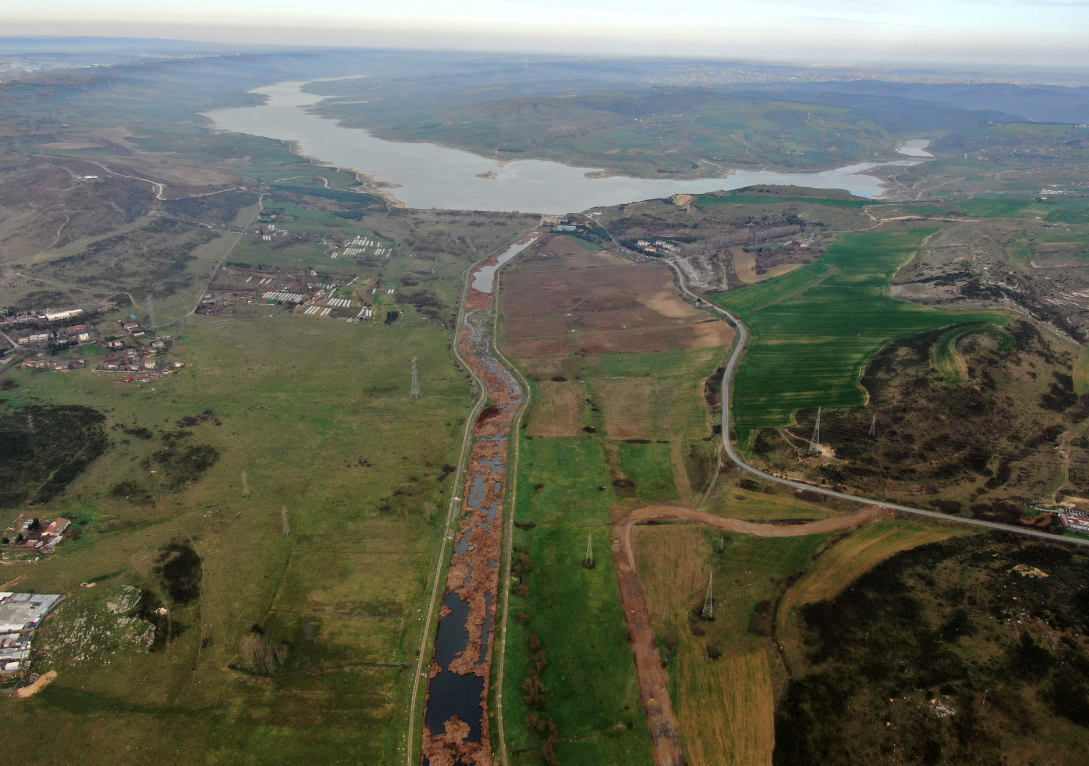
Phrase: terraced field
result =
(814, 329)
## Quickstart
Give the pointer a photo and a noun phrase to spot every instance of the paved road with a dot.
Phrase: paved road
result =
(727, 378)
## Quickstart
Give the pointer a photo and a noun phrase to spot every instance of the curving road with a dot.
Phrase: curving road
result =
(727, 378)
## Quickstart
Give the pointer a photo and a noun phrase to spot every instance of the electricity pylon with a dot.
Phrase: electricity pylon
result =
(815, 442)
(588, 560)
(709, 600)
(415, 393)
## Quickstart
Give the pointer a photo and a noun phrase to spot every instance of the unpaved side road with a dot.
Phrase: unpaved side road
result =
(653, 679)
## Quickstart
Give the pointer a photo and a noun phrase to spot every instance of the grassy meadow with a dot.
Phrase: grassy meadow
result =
(813, 330)
(592, 694)
(328, 554)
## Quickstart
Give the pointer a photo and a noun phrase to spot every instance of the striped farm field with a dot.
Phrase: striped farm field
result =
(727, 707)
(813, 330)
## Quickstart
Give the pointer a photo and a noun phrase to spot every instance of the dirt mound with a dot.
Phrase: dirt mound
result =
(43, 681)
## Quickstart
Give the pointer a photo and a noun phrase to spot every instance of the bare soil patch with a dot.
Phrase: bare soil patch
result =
(601, 310)
(562, 254)
(746, 269)
(43, 681)
(745, 265)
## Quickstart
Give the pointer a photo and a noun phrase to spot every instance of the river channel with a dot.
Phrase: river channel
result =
(430, 176)
(456, 724)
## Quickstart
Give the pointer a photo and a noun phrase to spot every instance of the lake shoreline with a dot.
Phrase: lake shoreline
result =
(427, 175)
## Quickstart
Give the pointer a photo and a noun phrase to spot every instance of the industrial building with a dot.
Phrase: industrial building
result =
(20, 616)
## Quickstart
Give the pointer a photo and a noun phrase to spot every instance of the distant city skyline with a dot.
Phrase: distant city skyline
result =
(1006, 32)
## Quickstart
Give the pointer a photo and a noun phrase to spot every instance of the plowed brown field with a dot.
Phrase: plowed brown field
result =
(583, 307)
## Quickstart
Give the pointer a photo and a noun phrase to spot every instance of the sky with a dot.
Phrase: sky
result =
(1002, 32)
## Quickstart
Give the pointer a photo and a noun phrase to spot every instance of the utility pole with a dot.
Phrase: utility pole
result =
(588, 560)
(415, 393)
(709, 600)
(815, 442)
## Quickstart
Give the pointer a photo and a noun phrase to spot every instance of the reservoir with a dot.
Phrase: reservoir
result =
(916, 147)
(431, 176)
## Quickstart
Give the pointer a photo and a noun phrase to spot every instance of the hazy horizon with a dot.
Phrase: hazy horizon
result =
(1020, 33)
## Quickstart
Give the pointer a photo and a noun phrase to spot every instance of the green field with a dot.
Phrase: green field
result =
(590, 679)
(977, 208)
(741, 198)
(813, 330)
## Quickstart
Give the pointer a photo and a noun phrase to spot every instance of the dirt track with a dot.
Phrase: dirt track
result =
(653, 679)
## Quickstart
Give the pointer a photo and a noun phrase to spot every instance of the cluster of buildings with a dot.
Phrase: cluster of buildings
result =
(52, 315)
(33, 535)
(60, 337)
(61, 365)
(653, 247)
(132, 326)
(1075, 520)
(268, 232)
(133, 358)
(1072, 515)
(20, 616)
